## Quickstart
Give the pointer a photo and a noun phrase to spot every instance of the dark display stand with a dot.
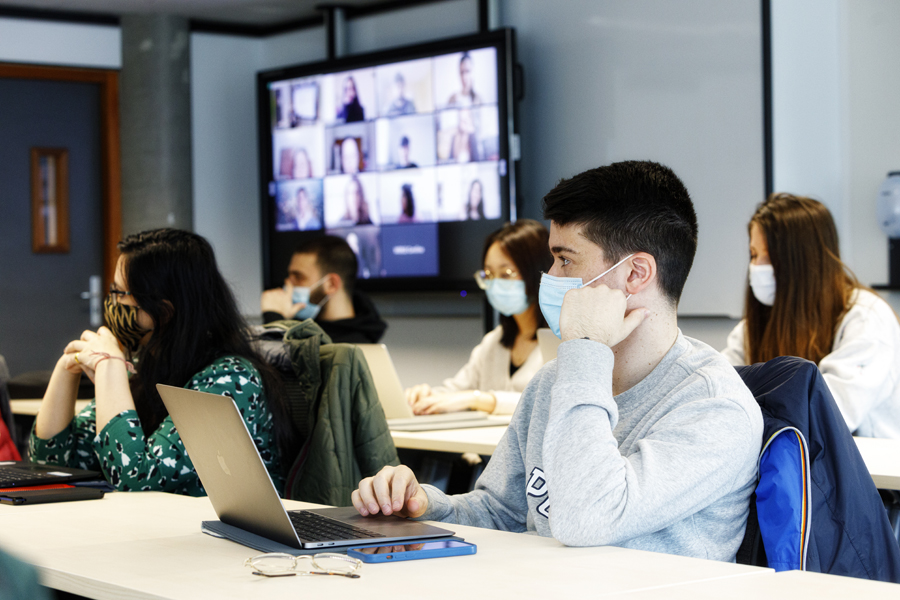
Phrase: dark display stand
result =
(893, 266)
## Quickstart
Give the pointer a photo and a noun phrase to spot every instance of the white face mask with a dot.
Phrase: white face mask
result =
(762, 283)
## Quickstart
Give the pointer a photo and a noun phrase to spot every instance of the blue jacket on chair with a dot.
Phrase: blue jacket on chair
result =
(817, 506)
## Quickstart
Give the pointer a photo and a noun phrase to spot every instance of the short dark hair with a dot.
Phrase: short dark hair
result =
(632, 206)
(525, 242)
(404, 141)
(333, 255)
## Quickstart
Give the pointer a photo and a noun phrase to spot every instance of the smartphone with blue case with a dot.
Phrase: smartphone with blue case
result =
(397, 552)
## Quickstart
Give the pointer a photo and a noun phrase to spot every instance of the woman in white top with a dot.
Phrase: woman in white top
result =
(508, 357)
(803, 301)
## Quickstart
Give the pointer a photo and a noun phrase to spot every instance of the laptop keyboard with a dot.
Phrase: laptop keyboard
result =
(13, 475)
(313, 527)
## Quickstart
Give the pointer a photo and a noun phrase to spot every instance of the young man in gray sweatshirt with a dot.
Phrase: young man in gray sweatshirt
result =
(636, 435)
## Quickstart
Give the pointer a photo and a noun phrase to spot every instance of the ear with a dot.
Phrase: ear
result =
(642, 273)
(168, 312)
(332, 284)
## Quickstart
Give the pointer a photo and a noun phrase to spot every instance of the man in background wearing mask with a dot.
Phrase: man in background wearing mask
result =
(319, 285)
(636, 435)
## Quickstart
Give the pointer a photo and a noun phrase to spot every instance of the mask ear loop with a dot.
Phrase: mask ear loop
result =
(327, 297)
(627, 296)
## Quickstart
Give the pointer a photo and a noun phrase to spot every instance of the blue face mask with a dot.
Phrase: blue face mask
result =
(553, 290)
(507, 296)
(301, 295)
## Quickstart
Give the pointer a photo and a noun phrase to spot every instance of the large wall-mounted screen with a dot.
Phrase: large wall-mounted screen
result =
(405, 154)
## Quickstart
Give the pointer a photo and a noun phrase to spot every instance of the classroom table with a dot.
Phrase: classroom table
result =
(787, 585)
(149, 545)
(882, 458)
(479, 440)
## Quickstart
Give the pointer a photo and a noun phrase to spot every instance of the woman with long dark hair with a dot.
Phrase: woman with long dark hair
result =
(474, 208)
(171, 319)
(351, 110)
(801, 300)
(508, 357)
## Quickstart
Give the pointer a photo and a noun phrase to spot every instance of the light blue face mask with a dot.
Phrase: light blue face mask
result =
(553, 290)
(301, 295)
(507, 296)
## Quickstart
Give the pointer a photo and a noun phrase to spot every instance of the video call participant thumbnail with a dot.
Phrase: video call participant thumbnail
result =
(404, 161)
(400, 104)
(636, 435)
(320, 285)
(350, 109)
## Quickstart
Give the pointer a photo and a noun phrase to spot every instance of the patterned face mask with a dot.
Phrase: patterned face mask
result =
(122, 320)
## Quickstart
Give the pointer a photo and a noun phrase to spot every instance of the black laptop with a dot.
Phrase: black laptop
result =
(22, 473)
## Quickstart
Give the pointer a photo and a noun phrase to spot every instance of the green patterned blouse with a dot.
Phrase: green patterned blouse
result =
(133, 462)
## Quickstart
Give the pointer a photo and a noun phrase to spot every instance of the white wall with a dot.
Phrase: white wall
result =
(808, 104)
(836, 126)
(872, 84)
(61, 44)
(413, 25)
(675, 82)
(226, 146)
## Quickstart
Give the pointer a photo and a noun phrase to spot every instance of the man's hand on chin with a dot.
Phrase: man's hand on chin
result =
(598, 313)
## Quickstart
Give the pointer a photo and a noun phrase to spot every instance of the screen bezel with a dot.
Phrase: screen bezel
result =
(503, 40)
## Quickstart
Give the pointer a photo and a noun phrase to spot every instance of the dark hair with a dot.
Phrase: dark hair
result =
(404, 141)
(409, 207)
(813, 288)
(173, 277)
(333, 255)
(479, 208)
(525, 242)
(632, 206)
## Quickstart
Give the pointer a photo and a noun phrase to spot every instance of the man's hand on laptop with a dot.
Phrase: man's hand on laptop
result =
(598, 314)
(393, 491)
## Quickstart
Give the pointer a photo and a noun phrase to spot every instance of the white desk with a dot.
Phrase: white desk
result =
(31, 407)
(479, 440)
(788, 585)
(149, 545)
(882, 458)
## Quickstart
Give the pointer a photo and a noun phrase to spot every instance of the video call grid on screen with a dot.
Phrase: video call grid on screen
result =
(387, 156)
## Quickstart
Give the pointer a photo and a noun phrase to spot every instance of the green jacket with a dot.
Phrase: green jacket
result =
(347, 435)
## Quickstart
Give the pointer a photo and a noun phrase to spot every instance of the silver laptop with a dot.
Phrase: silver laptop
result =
(243, 495)
(397, 411)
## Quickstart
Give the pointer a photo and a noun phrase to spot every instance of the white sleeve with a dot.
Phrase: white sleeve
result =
(470, 376)
(508, 396)
(506, 402)
(734, 349)
(859, 369)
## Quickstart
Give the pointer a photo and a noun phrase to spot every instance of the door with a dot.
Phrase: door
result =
(41, 304)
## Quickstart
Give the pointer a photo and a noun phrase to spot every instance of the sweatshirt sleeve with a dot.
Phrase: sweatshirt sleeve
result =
(506, 401)
(859, 370)
(683, 463)
(734, 348)
(498, 500)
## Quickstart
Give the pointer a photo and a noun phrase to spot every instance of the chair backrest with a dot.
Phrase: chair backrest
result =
(809, 448)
